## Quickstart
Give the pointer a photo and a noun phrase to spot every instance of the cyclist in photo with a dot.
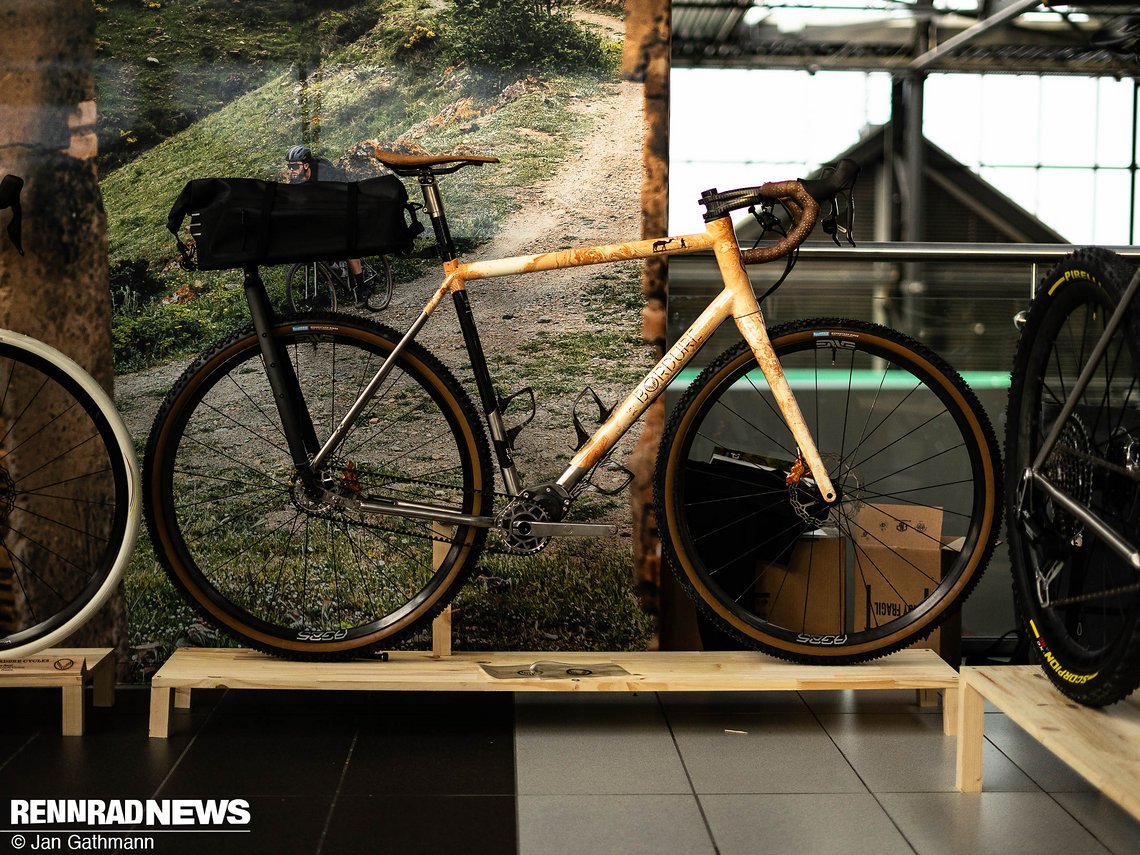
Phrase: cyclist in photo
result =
(304, 167)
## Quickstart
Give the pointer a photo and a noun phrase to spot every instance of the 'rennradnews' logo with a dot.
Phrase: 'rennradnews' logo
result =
(134, 812)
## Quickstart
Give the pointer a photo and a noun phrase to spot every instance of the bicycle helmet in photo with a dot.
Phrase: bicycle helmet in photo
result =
(299, 154)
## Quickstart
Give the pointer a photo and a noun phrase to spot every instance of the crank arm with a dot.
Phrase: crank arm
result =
(527, 528)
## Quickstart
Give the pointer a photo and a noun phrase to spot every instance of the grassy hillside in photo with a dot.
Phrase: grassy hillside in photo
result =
(398, 86)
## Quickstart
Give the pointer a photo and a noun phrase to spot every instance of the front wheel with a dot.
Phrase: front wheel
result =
(911, 453)
(1079, 599)
(280, 565)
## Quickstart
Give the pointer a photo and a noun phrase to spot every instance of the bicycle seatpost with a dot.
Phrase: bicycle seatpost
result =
(433, 205)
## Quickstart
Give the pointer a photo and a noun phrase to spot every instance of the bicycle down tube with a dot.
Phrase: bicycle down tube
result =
(737, 300)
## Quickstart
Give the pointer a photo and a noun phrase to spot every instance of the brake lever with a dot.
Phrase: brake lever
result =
(830, 222)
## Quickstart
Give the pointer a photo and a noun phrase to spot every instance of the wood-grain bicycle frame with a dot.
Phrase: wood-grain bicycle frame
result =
(737, 300)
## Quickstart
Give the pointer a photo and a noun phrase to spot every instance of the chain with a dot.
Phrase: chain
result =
(424, 533)
(1097, 595)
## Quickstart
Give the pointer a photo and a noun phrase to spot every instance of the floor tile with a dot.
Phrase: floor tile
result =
(467, 751)
(33, 707)
(432, 825)
(866, 701)
(609, 825)
(988, 824)
(780, 753)
(600, 747)
(283, 826)
(1049, 772)
(910, 753)
(745, 702)
(114, 759)
(588, 700)
(848, 823)
(1109, 824)
(14, 738)
(289, 702)
(271, 755)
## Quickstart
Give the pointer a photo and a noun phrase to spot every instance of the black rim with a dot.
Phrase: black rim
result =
(855, 487)
(1098, 442)
(297, 523)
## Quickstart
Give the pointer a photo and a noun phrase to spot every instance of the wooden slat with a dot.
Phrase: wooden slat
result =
(1103, 745)
(205, 668)
(199, 668)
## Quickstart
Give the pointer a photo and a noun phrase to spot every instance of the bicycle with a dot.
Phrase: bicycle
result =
(1073, 479)
(321, 486)
(69, 487)
(316, 285)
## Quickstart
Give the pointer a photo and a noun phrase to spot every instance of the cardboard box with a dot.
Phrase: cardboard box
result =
(899, 554)
(815, 572)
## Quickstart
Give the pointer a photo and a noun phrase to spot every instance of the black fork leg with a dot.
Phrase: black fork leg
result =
(295, 419)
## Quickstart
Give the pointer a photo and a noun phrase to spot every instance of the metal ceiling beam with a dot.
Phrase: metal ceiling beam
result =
(1007, 13)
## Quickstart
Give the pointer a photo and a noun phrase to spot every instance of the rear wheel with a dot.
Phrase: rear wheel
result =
(377, 281)
(310, 287)
(914, 460)
(1080, 599)
(284, 567)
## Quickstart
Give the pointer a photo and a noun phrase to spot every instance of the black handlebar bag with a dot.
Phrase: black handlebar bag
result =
(242, 221)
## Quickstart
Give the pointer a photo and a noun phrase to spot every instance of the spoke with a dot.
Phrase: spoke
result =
(898, 554)
(910, 466)
(910, 432)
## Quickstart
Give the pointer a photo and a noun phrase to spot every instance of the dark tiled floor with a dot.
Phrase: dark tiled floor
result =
(330, 773)
(324, 773)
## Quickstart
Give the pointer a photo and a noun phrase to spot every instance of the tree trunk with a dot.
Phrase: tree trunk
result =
(58, 291)
(645, 57)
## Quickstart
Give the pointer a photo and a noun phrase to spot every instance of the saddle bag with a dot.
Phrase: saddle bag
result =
(236, 222)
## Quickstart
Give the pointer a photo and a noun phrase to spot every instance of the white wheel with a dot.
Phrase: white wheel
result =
(69, 496)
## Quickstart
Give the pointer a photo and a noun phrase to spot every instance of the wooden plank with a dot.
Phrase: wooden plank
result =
(971, 723)
(950, 711)
(73, 708)
(199, 668)
(1102, 745)
(102, 675)
(236, 668)
(55, 667)
(441, 634)
(182, 699)
(160, 712)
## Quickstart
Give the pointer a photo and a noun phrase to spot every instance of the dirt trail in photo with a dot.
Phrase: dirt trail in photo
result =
(594, 198)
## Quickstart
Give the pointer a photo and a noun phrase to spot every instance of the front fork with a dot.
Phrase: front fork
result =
(295, 419)
(750, 322)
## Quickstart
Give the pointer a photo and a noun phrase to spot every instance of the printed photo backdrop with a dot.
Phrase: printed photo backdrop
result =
(216, 88)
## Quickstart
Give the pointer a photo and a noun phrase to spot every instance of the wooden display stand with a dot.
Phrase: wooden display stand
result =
(1103, 745)
(69, 669)
(209, 668)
